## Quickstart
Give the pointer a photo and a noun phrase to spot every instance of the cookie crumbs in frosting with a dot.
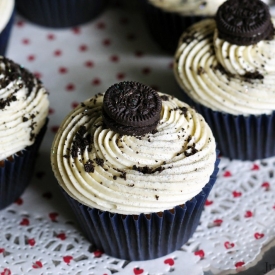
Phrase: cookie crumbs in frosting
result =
(123, 175)
(148, 170)
(89, 167)
(99, 161)
(164, 97)
(80, 141)
(191, 150)
(201, 70)
(4, 103)
(253, 75)
(220, 68)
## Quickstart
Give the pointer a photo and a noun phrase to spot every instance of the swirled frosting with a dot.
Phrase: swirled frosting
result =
(239, 80)
(6, 10)
(132, 175)
(189, 7)
(23, 108)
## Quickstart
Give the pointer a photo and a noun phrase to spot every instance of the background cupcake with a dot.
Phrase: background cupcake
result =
(6, 22)
(60, 13)
(167, 19)
(136, 167)
(24, 109)
(227, 70)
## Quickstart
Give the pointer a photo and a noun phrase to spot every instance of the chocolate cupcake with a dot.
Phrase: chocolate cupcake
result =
(226, 68)
(60, 13)
(167, 19)
(24, 109)
(6, 23)
(137, 194)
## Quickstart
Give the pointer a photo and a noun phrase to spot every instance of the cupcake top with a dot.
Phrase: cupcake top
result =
(23, 108)
(228, 65)
(137, 172)
(189, 7)
(6, 10)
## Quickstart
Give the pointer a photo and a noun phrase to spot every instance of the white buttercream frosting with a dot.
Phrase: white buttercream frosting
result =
(189, 7)
(239, 80)
(181, 156)
(6, 10)
(23, 108)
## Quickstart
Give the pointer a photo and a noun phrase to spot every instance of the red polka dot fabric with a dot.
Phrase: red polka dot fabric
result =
(75, 64)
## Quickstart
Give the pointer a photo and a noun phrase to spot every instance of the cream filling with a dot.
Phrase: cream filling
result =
(198, 71)
(117, 187)
(189, 7)
(6, 10)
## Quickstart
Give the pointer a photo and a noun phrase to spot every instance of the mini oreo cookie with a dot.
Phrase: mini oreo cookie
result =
(244, 22)
(131, 108)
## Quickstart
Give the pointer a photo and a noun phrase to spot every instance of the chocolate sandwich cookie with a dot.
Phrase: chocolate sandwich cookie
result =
(131, 108)
(244, 22)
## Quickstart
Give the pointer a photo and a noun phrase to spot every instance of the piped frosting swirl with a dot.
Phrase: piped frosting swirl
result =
(130, 174)
(23, 107)
(225, 77)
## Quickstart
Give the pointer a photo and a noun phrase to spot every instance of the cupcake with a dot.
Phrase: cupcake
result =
(24, 109)
(226, 69)
(6, 23)
(136, 167)
(167, 19)
(60, 13)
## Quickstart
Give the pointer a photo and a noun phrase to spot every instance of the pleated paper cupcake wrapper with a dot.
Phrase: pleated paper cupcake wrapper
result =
(166, 27)
(60, 13)
(16, 175)
(5, 35)
(240, 137)
(139, 237)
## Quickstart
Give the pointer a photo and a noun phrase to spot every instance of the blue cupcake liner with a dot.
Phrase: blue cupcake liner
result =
(60, 13)
(5, 35)
(240, 137)
(16, 175)
(142, 237)
(166, 27)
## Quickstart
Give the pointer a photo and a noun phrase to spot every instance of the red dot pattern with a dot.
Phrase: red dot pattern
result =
(79, 62)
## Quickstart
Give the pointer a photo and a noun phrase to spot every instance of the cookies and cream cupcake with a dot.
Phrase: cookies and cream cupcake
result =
(6, 23)
(226, 67)
(136, 163)
(167, 19)
(24, 109)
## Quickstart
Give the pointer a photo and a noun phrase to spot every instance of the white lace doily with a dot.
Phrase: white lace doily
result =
(237, 222)
(38, 232)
